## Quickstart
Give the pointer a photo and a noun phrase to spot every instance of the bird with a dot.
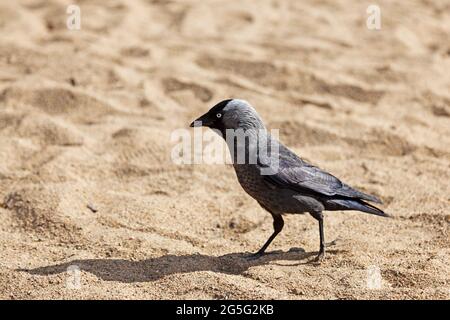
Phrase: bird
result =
(279, 180)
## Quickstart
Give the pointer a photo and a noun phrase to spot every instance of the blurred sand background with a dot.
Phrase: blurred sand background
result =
(86, 118)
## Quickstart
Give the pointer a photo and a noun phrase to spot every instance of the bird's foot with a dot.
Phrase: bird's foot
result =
(254, 256)
(320, 257)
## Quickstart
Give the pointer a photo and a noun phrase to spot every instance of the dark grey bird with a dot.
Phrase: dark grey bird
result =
(279, 180)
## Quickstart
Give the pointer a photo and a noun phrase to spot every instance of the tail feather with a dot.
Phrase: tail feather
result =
(360, 205)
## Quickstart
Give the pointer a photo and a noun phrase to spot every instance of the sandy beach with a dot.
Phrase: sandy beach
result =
(94, 207)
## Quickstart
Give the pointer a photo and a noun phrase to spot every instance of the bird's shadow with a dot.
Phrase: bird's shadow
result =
(155, 268)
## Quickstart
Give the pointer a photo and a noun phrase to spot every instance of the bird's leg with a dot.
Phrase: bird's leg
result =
(278, 224)
(321, 254)
(319, 216)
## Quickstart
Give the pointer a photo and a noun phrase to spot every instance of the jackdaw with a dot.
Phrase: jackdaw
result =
(279, 180)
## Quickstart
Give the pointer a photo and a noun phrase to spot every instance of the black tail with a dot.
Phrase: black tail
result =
(355, 204)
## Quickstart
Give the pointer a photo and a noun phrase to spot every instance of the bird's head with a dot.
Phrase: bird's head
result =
(230, 114)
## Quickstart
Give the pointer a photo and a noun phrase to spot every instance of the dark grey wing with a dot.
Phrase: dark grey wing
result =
(296, 174)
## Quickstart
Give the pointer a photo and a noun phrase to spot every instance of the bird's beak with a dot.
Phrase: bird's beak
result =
(203, 121)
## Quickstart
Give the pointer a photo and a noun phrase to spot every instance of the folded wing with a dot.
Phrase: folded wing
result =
(296, 174)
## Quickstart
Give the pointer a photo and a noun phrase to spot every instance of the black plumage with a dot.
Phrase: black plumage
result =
(292, 184)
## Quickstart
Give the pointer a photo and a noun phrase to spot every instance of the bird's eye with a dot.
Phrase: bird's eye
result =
(219, 115)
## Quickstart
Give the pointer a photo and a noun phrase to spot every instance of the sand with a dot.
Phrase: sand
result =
(94, 207)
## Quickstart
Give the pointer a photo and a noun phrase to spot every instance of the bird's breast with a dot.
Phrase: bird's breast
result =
(249, 177)
(271, 197)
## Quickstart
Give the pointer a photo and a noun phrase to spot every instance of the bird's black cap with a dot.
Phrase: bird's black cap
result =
(211, 114)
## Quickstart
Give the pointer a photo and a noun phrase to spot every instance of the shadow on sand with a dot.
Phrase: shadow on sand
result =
(156, 268)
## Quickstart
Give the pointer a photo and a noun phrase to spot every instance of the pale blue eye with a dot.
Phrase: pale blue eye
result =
(219, 115)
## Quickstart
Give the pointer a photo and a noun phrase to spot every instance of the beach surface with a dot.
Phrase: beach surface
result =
(94, 207)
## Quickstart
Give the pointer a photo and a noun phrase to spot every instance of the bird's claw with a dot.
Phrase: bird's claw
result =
(320, 257)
